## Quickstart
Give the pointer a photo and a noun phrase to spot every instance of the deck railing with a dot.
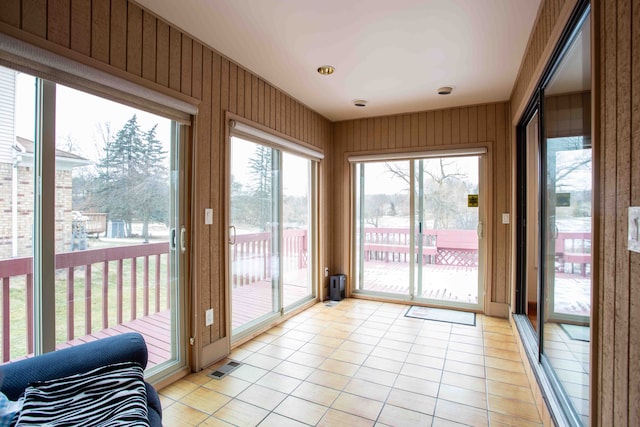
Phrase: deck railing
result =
(144, 298)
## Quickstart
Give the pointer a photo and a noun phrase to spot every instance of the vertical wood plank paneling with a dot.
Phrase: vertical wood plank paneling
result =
(10, 12)
(59, 22)
(623, 181)
(134, 40)
(464, 125)
(217, 191)
(149, 47)
(438, 127)
(254, 98)
(415, 129)
(482, 123)
(100, 29)
(377, 133)
(455, 126)
(431, 129)
(446, 127)
(278, 109)
(422, 129)
(634, 272)
(241, 98)
(384, 132)
(273, 99)
(162, 53)
(501, 200)
(175, 58)
(233, 88)
(118, 34)
(186, 60)
(225, 84)
(263, 103)
(473, 124)
(248, 89)
(391, 132)
(406, 130)
(202, 197)
(608, 155)
(196, 70)
(34, 17)
(80, 32)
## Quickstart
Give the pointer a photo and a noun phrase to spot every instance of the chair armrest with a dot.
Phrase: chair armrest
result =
(16, 376)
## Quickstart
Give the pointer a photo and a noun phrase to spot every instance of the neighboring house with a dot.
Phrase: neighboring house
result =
(16, 182)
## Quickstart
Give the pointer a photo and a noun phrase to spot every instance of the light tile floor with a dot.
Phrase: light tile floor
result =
(363, 363)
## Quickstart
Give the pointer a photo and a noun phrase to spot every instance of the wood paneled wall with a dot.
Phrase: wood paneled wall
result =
(478, 125)
(615, 365)
(617, 115)
(120, 37)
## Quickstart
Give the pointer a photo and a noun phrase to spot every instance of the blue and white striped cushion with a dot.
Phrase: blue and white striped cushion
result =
(112, 395)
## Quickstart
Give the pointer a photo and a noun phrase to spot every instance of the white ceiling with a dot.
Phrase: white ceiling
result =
(393, 53)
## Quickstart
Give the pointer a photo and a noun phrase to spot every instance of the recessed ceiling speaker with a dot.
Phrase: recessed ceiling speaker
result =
(445, 90)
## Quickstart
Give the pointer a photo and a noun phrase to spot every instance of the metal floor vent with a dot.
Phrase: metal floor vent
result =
(225, 369)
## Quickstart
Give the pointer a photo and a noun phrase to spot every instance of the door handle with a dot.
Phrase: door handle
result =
(232, 241)
(183, 245)
(480, 230)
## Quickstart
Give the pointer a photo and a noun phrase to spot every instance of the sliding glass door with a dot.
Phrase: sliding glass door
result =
(271, 232)
(419, 229)
(100, 252)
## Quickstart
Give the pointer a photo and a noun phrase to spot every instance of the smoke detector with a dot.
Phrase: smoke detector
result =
(445, 90)
(361, 103)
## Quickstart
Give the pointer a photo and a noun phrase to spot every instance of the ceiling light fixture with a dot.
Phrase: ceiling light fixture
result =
(360, 103)
(326, 70)
(445, 90)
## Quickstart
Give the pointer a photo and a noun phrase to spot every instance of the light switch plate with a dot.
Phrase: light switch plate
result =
(505, 218)
(208, 216)
(208, 317)
(634, 228)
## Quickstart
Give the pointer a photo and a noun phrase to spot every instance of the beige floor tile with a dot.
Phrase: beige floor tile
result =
(377, 376)
(488, 335)
(391, 354)
(417, 385)
(290, 343)
(335, 418)
(508, 377)
(422, 360)
(299, 335)
(293, 370)
(462, 395)
(205, 400)
(301, 410)
(357, 405)
(510, 391)
(329, 379)
(231, 386)
(464, 381)
(275, 351)
(503, 354)
(383, 364)
(348, 356)
(316, 393)
(276, 420)
(306, 359)
(356, 347)
(179, 389)
(368, 389)
(327, 341)
(212, 421)
(394, 345)
(501, 420)
(466, 348)
(464, 368)
(441, 422)
(248, 373)
(428, 350)
(395, 416)
(413, 401)
(338, 367)
(240, 413)
(507, 365)
(252, 346)
(422, 372)
(262, 397)
(460, 356)
(514, 408)
(181, 415)
(318, 350)
(463, 414)
(279, 382)
(262, 361)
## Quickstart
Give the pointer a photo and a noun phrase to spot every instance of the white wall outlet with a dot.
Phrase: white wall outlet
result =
(505, 218)
(208, 216)
(634, 228)
(208, 317)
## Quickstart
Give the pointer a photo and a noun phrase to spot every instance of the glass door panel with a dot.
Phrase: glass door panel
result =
(254, 236)
(566, 220)
(115, 270)
(532, 214)
(383, 227)
(296, 221)
(17, 126)
(447, 226)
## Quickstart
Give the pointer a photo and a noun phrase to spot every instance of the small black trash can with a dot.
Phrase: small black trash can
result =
(336, 287)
